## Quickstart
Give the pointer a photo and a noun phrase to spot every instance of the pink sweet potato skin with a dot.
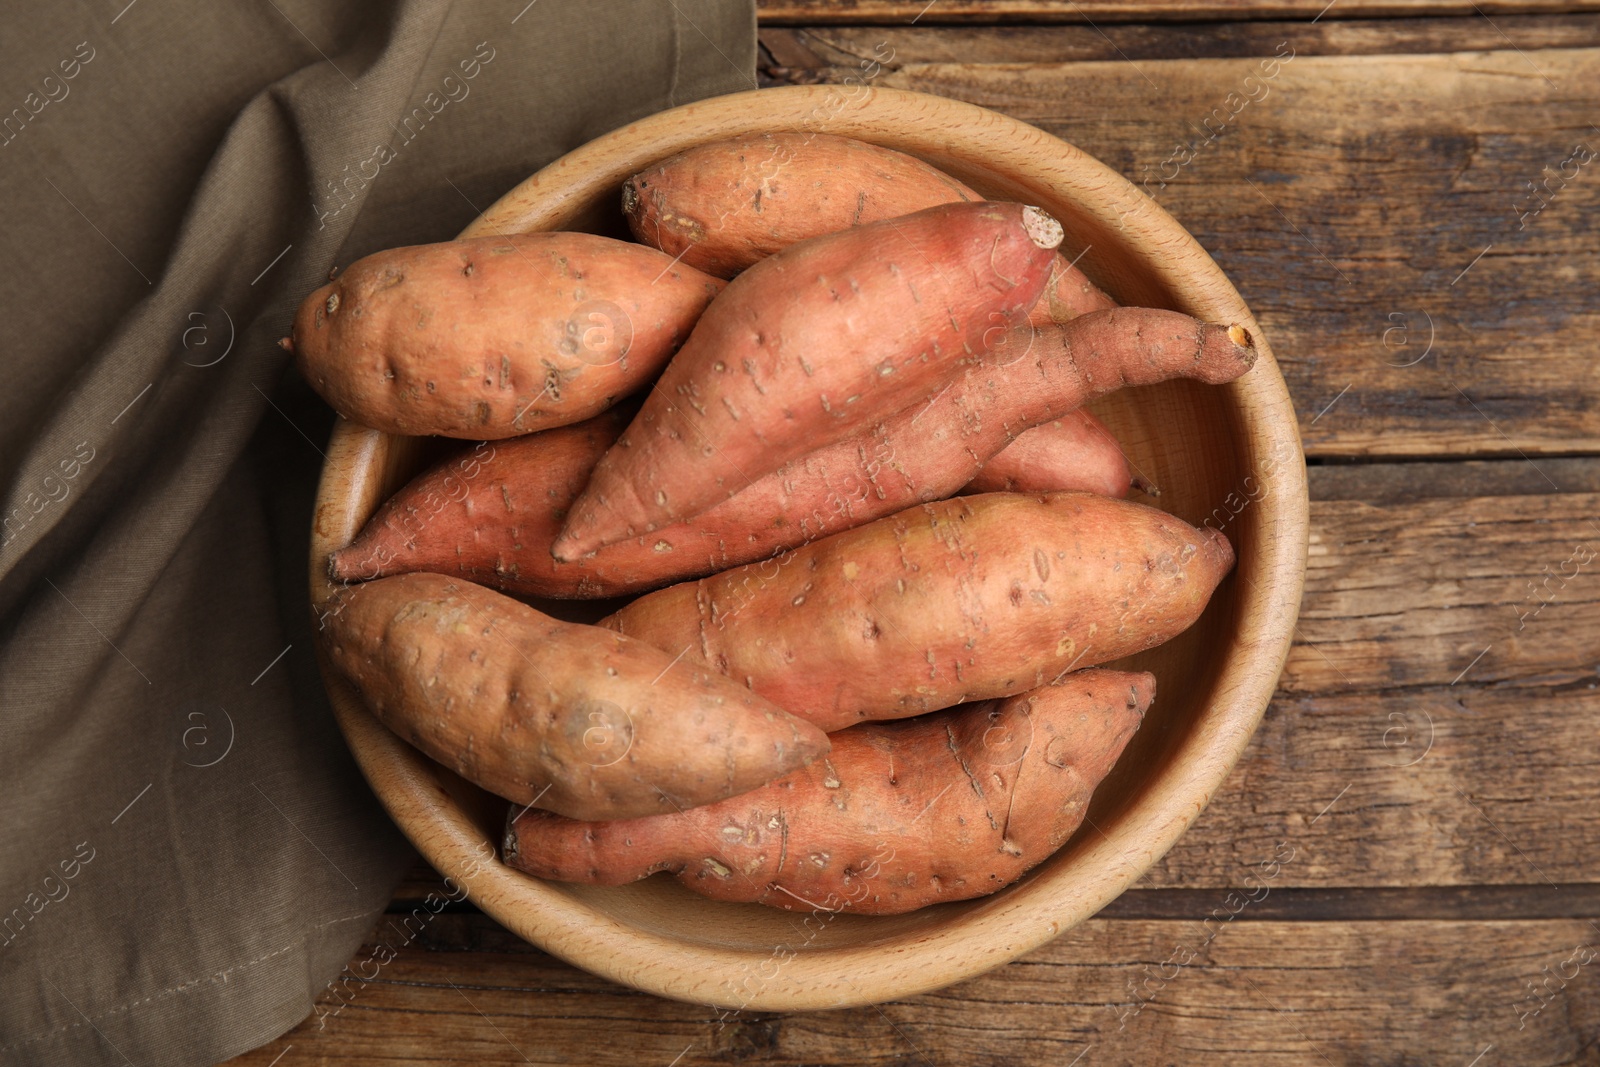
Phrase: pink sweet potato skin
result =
(727, 205)
(1075, 451)
(1068, 294)
(964, 599)
(495, 336)
(898, 816)
(491, 514)
(805, 348)
(571, 718)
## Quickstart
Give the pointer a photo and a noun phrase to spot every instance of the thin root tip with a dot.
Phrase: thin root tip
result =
(286, 343)
(1145, 486)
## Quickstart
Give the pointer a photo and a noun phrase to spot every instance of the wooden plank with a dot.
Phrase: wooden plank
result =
(801, 54)
(1376, 213)
(1415, 594)
(958, 12)
(1108, 992)
(1430, 787)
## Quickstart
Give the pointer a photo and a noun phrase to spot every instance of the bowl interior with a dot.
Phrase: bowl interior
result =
(1198, 444)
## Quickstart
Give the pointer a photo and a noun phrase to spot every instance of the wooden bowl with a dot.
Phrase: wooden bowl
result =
(1213, 451)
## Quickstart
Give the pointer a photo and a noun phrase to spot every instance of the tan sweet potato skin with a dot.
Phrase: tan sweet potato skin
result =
(495, 336)
(727, 205)
(964, 599)
(806, 347)
(1075, 451)
(567, 717)
(898, 816)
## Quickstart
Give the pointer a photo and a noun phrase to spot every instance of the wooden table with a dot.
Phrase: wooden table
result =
(1412, 209)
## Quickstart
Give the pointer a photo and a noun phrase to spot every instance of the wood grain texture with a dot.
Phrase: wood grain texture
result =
(1448, 705)
(825, 12)
(1375, 211)
(1141, 992)
(1414, 594)
(1442, 786)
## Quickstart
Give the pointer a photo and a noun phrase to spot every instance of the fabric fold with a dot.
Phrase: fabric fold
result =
(192, 854)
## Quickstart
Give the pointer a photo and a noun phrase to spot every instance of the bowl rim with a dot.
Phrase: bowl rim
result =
(1031, 912)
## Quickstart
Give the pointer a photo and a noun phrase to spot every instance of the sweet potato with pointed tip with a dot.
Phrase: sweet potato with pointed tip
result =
(492, 337)
(490, 515)
(898, 816)
(726, 205)
(965, 599)
(1075, 451)
(806, 347)
(575, 719)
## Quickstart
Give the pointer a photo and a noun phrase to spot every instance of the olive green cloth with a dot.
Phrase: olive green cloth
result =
(190, 854)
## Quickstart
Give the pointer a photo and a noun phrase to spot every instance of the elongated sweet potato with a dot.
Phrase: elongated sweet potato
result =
(965, 599)
(1075, 451)
(807, 346)
(898, 816)
(491, 514)
(495, 336)
(726, 205)
(575, 719)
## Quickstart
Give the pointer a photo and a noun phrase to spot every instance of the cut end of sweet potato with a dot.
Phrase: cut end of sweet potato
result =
(1241, 337)
(1043, 231)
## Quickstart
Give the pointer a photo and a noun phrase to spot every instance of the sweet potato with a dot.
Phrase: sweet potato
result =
(724, 206)
(491, 514)
(572, 718)
(807, 346)
(965, 599)
(898, 816)
(1075, 451)
(495, 336)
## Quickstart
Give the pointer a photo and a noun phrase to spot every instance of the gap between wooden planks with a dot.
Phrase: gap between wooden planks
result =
(813, 53)
(462, 991)
(940, 12)
(1375, 210)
